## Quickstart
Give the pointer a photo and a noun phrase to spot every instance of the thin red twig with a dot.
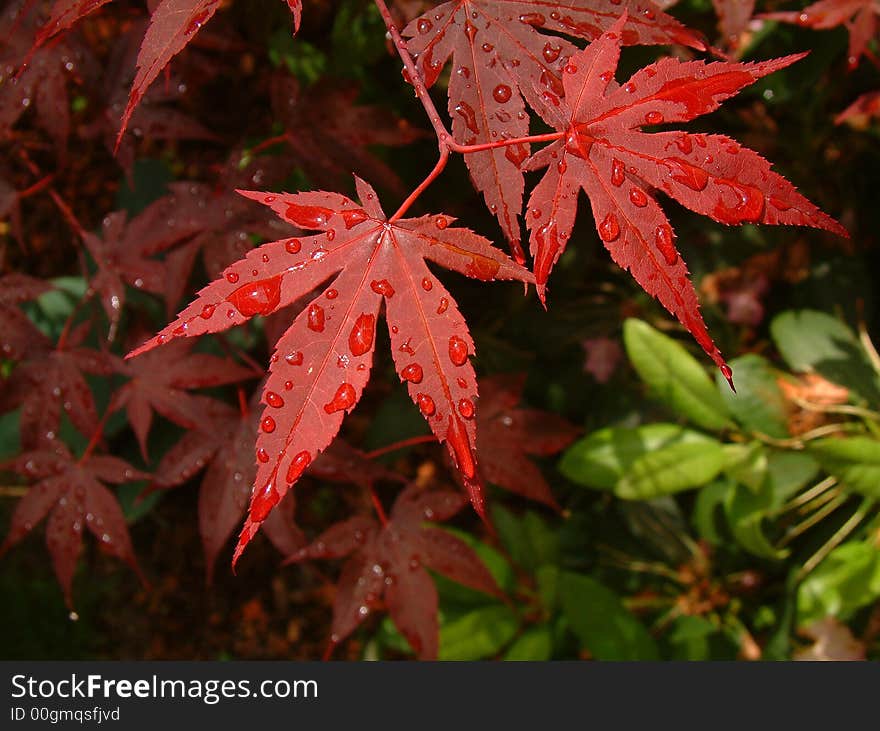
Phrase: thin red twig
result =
(377, 504)
(403, 444)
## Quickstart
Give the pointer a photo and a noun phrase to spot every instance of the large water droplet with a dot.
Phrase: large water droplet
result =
(257, 298)
(663, 239)
(618, 171)
(308, 216)
(383, 287)
(344, 398)
(501, 93)
(297, 466)
(315, 318)
(412, 373)
(458, 350)
(609, 229)
(426, 404)
(360, 340)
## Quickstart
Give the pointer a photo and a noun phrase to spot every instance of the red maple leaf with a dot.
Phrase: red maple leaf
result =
(605, 152)
(47, 379)
(223, 440)
(159, 382)
(153, 119)
(42, 84)
(500, 61)
(189, 213)
(71, 493)
(858, 16)
(329, 133)
(733, 18)
(389, 561)
(173, 24)
(322, 363)
(861, 110)
(506, 435)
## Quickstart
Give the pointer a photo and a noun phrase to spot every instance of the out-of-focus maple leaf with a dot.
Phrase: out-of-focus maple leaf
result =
(806, 395)
(71, 493)
(153, 119)
(42, 85)
(329, 134)
(341, 462)
(322, 363)
(123, 253)
(64, 14)
(500, 61)
(159, 382)
(224, 441)
(859, 17)
(742, 289)
(859, 113)
(832, 641)
(389, 561)
(222, 237)
(605, 153)
(173, 24)
(603, 355)
(733, 18)
(49, 379)
(506, 435)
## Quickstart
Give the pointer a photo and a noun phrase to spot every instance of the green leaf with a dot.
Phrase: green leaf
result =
(478, 634)
(855, 461)
(789, 472)
(705, 515)
(536, 643)
(602, 458)
(547, 578)
(848, 579)
(815, 341)
(671, 469)
(674, 376)
(529, 540)
(758, 404)
(746, 464)
(689, 637)
(746, 509)
(603, 625)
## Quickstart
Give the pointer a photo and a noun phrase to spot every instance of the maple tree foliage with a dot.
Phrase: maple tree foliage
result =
(858, 16)
(387, 564)
(500, 61)
(72, 494)
(605, 152)
(332, 265)
(506, 435)
(159, 383)
(322, 363)
(50, 378)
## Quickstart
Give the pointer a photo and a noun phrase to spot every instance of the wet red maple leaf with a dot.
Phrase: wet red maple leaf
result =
(48, 379)
(223, 440)
(388, 561)
(605, 152)
(329, 134)
(861, 110)
(500, 61)
(42, 85)
(71, 493)
(507, 435)
(322, 363)
(160, 380)
(733, 18)
(858, 16)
